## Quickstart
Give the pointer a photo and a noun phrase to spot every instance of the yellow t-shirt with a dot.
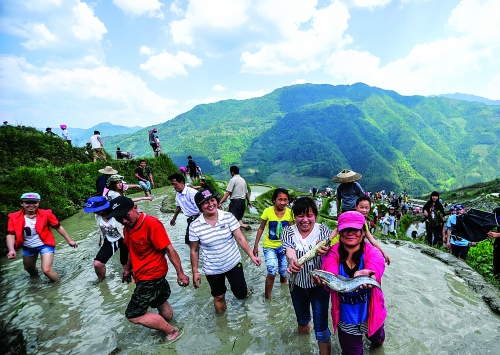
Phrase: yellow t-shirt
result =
(274, 226)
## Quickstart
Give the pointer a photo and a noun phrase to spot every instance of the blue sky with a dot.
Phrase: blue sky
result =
(143, 62)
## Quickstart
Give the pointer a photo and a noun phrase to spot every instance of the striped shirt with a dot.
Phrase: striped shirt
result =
(219, 251)
(291, 238)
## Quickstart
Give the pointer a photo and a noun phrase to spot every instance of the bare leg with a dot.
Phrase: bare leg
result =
(153, 321)
(269, 285)
(47, 269)
(100, 270)
(283, 279)
(304, 329)
(242, 225)
(220, 304)
(166, 311)
(325, 348)
(29, 263)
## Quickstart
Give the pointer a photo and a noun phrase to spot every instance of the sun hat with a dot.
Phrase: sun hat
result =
(30, 196)
(96, 203)
(120, 206)
(204, 195)
(351, 219)
(114, 178)
(346, 175)
(108, 170)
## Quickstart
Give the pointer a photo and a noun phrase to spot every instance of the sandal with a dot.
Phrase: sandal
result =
(174, 335)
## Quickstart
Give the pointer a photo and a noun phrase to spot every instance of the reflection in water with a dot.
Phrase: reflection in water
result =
(430, 310)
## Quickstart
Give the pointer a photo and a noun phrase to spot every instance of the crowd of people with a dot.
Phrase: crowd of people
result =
(287, 233)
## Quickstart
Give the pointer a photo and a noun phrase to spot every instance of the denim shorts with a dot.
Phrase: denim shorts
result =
(146, 185)
(42, 249)
(318, 299)
(276, 261)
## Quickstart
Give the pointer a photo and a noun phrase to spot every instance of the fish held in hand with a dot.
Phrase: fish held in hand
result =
(344, 284)
(311, 254)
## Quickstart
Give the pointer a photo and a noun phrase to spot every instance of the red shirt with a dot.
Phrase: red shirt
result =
(146, 243)
(44, 220)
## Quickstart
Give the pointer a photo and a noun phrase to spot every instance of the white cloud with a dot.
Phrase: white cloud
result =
(299, 50)
(298, 81)
(39, 37)
(371, 4)
(145, 50)
(166, 65)
(88, 26)
(112, 85)
(200, 14)
(218, 87)
(244, 95)
(175, 8)
(152, 8)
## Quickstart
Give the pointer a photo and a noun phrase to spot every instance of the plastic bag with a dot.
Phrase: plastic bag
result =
(253, 210)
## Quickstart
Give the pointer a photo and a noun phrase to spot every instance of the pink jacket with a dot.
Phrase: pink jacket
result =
(376, 308)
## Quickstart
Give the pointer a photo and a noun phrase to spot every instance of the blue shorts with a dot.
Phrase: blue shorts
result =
(146, 185)
(42, 249)
(276, 261)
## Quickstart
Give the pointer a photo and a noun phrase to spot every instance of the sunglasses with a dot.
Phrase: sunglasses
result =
(30, 202)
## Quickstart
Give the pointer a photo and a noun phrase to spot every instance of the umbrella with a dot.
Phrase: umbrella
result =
(474, 225)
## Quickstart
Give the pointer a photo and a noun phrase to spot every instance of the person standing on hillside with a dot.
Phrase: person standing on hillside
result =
(496, 246)
(434, 217)
(152, 140)
(65, 134)
(348, 191)
(192, 168)
(184, 200)
(237, 191)
(145, 177)
(459, 246)
(30, 228)
(97, 147)
(148, 244)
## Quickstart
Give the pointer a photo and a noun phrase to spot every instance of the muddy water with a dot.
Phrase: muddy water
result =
(430, 310)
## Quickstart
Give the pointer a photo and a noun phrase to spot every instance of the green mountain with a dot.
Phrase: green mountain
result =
(302, 135)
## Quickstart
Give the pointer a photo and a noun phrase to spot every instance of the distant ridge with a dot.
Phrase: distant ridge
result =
(471, 98)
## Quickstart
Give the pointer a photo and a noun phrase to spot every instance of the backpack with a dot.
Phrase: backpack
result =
(435, 219)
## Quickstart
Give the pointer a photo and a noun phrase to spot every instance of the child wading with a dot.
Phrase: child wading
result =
(275, 218)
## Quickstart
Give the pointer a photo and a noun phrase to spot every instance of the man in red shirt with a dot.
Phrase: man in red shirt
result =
(148, 242)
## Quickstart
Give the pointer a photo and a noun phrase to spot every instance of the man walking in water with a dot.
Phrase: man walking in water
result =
(148, 243)
(237, 191)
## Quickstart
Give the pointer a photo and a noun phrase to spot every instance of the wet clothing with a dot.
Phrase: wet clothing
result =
(151, 293)
(113, 241)
(236, 279)
(146, 242)
(348, 193)
(44, 220)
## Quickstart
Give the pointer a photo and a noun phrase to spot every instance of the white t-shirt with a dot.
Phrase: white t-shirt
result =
(95, 141)
(109, 229)
(30, 236)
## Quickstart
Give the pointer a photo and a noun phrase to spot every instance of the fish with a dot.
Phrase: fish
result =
(344, 284)
(311, 254)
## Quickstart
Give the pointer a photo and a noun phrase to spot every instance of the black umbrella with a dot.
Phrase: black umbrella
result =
(474, 225)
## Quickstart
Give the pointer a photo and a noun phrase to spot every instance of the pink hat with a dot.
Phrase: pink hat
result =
(351, 219)
(63, 126)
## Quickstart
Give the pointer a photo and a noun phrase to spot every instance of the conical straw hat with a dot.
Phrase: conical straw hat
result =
(346, 175)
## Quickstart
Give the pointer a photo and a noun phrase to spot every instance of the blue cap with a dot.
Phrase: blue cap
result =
(96, 203)
(452, 208)
(30, 196)
(459, 206)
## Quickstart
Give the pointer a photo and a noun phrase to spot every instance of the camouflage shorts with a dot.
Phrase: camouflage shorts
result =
(147, 294)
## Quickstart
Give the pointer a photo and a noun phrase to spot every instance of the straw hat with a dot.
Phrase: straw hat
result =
(108, 171)
(346, 175)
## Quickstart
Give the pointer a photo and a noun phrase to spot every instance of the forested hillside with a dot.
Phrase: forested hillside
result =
(302, 135)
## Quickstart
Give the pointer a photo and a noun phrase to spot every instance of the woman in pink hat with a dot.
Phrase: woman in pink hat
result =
(30, 228)
(361, 312)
